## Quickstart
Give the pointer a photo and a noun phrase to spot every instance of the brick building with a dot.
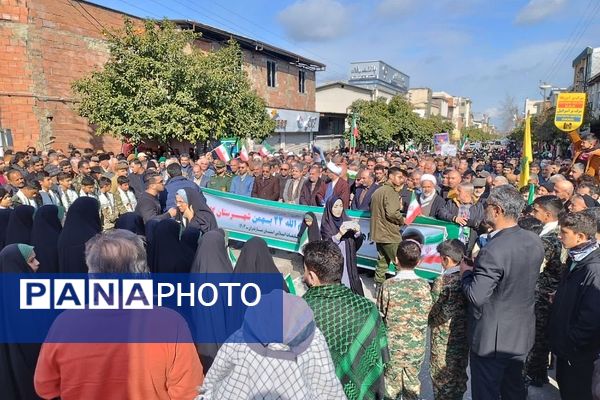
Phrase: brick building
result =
(47, 44)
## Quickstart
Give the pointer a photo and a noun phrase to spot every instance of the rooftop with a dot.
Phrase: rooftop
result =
(218, 35)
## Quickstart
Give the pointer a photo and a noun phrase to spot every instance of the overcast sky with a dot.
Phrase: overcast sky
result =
(482, 49)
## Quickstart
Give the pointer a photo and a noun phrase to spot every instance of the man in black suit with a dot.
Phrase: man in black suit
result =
(501, 293)
(365, 187)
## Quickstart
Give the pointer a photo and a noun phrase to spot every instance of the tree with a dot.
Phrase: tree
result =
(475, 134)
(157, 85)
(406, 124)
(373, 121)
(509, 113)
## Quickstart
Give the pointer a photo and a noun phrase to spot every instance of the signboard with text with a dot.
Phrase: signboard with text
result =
(569, 111)
(294, 120)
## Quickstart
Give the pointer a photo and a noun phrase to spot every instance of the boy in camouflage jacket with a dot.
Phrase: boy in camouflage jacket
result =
(404, 302)
(448, 322)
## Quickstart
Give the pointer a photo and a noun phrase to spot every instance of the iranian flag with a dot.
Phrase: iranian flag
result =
(303, 240)
(463, 147)
(414, 209)
(352, 174)
(290, 284)
(265, 150)
(222, 153)
(232, 257)
(241, 145)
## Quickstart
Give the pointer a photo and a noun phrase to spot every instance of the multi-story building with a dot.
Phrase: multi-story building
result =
(441, 104)
(380, 77)
(48, 44)
(369, 80)
(585, 66)
(533, 107)
(421, 100)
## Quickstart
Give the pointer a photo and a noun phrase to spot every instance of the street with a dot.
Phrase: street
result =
(289, 263)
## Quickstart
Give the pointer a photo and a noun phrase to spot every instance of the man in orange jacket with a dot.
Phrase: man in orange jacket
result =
(586, 152)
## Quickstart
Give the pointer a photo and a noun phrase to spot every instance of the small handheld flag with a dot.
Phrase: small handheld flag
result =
(265, 150)
(222, 153)
(414, 209)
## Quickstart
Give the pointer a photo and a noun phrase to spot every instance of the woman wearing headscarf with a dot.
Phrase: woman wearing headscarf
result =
(300, 367)
(169, 253)
(348, 240)
(255, 258)
(44, 237)
(150, 229)
(132, 222)
(193, 210)
(82, 223)
(17, 360)
(4, 217)
(211, 258)
(19, 226)
(309, 230)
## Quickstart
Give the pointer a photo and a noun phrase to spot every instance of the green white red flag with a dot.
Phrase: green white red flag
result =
(222, 153)
(414, 209)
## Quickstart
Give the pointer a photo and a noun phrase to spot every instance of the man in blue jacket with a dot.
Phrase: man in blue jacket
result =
(176, 181)
(243, 182)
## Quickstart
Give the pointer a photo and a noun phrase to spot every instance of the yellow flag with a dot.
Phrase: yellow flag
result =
(527, 156)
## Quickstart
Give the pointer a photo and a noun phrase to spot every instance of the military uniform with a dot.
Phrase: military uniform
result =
(108, 211)
(404, 302)
(553, 268)
(220, 182)
(449, 345)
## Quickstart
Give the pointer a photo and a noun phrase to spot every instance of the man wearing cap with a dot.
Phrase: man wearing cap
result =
(221, 180)
(121, 169)
(480, 189)
(143, 159)
(337, 187)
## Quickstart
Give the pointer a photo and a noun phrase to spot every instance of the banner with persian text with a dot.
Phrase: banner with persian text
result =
(279, 224)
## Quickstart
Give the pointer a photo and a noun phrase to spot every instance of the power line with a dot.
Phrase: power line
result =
(272, 33)
(585, 25)
(572, 35)
(71, 3)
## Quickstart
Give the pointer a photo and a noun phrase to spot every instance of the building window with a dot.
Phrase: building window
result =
(301, 80)
(271, 73)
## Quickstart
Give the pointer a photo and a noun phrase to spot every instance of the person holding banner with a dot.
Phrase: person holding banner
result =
(341, 230)
(586, 152)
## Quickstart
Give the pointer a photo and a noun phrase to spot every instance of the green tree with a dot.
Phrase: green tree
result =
(475, 134)
(157, 85)
(407, 125)
(374, 122)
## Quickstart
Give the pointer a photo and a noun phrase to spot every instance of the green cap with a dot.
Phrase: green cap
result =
(26, 250)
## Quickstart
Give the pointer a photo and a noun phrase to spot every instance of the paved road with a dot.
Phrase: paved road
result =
(289, 263)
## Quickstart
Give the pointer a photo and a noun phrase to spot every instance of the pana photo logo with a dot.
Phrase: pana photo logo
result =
(133, 294)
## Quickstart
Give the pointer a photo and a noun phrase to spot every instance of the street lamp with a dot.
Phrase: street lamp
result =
(544, 86)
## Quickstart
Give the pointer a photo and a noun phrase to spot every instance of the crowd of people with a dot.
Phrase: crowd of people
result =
(518, 293)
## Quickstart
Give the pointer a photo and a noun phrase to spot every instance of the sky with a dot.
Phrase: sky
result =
(487, 50)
